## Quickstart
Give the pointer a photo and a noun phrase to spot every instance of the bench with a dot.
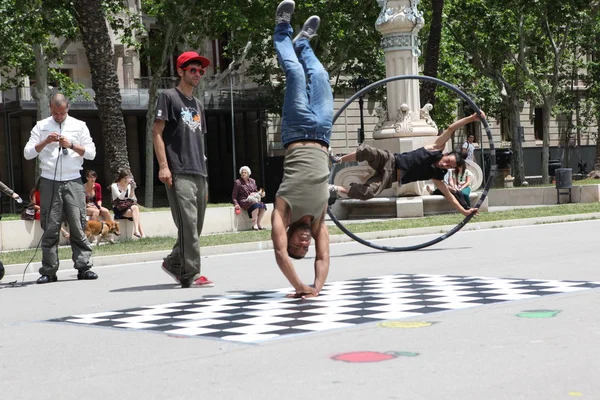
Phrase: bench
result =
(401, 207)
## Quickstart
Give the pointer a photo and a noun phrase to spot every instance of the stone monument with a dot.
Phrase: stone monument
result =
(406, 126)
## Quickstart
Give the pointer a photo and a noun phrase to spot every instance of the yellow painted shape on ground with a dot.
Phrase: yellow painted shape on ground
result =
(575, 394)
(405, 324)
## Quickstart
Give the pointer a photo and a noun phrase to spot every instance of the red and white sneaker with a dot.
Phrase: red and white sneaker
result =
(201, 282)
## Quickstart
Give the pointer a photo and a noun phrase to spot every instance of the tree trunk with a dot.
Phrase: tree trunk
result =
(512, 104)
(595, 173)
(149, 153)
(40, 90)
(170, 40)
(105, 82)
(432, 57)
(546, 141)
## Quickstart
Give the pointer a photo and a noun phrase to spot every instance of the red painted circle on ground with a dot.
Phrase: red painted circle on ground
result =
(364, 356)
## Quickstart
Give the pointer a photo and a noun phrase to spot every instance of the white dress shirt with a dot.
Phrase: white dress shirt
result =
(54, 164)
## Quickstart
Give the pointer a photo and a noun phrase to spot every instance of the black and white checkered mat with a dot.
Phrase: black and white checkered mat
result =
(259, 316)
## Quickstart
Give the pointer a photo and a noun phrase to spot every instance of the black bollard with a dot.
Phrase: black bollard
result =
(1, 270)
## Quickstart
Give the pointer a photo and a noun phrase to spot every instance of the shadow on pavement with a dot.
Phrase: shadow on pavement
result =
(165, 286)
(364, 253)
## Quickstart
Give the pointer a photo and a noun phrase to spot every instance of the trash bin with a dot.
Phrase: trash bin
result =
(503, 158)
(553, 165)
(564, 178)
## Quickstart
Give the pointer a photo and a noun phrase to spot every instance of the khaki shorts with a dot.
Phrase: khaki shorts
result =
(384, 164)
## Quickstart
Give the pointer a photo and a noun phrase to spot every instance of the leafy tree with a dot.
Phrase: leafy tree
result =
(545, 31)
(588, 41)
(487, 32)
(91, 17)
(27, 46)
(432, 54)
(347, 44)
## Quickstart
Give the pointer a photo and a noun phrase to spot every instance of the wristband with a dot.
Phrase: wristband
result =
(72, 145)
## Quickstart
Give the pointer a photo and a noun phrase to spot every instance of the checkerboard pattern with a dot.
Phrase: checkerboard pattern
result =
(259, 316)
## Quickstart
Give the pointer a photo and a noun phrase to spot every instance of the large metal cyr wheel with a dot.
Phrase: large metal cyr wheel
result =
(488, 184)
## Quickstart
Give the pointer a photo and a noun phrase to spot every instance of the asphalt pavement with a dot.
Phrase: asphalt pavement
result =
(523, 347)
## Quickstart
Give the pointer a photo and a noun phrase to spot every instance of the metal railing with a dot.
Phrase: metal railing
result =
(138, 98)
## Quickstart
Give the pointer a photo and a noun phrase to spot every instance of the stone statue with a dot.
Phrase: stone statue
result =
(403, 121)
(382, 117)
(424, 114)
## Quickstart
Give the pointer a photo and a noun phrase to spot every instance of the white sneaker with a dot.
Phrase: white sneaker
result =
(284, 12)
(309, 29)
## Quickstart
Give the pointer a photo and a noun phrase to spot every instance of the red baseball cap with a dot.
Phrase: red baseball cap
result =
(192, 56)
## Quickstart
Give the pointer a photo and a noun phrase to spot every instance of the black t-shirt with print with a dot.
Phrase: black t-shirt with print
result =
(184, 125)
(417, 165)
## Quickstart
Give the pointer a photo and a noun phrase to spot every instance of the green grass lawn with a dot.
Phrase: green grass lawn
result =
(166, 243)
(581, 182)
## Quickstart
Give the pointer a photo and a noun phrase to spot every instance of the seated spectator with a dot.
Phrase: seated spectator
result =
(35, 203)
(93, 198)
(450, 181)
(462, 181)
(34, 200)
(447, 181)
(125, 203)
(247, 196)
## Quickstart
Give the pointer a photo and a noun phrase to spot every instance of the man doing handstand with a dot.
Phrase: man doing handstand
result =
(425, 163)
(301, 201)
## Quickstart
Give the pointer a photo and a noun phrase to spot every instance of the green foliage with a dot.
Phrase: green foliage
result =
(26, 23)
(41, 21)
(347, 44)
(125, 22)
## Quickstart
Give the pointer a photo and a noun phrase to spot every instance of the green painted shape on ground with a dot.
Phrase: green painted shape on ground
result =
(405, 354)
(538, 313)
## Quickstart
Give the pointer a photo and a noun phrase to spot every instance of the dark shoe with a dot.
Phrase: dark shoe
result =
(334, 158)
(46, 279)
(285, 9)
(333, 194)
(309, 29)
(171, 274)
(87, 275)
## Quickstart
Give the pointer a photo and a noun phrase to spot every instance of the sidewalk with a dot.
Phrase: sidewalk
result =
(17, 269)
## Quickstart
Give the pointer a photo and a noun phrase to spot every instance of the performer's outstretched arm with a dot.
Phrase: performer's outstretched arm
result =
(280, 244)
(440, 142)
(321, 237)
(446, 192)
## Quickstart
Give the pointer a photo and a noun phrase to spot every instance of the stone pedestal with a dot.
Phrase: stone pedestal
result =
(406, 126)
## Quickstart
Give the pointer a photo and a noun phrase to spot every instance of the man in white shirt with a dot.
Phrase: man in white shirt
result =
(468, 147)
(62, 143)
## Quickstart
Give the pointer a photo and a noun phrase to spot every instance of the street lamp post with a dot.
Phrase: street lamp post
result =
(359, 84)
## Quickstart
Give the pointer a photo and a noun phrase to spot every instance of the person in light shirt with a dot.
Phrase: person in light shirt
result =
(468, 148)
(61, 143)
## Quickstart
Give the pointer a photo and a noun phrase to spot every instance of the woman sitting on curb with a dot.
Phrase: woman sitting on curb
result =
(93, 198)
(125, 203)
(246, 196)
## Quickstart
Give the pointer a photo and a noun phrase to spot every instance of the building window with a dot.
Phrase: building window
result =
(538, 123)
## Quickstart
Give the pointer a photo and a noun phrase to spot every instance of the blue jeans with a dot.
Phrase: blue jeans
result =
(307, 109)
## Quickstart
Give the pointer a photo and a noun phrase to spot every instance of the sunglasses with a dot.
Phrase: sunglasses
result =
(194, 70)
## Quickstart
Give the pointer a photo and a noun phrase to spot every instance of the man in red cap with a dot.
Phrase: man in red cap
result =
(179, 146)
